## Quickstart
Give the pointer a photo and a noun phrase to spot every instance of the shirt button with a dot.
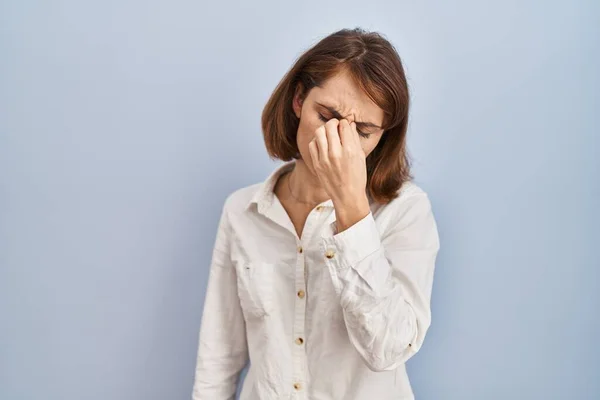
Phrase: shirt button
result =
(299, 341)
(300, 249)
(330, 254)
(297, 386)
(301, 294)
(319, 208)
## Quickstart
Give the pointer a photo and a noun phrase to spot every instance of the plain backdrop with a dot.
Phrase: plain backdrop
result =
(125, 124)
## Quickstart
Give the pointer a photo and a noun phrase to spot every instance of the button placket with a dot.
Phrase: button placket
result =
(299, 339)
(298, 351)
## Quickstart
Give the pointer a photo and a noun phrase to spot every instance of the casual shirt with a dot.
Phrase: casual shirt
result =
(325, 316)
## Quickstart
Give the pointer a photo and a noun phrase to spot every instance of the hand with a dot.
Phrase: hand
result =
(340, 164)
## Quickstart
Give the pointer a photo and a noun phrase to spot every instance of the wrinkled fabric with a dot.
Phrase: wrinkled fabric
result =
(325, 316)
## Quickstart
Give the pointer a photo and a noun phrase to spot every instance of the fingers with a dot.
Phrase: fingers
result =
(314, 152)
(333, 138)
(348, 133)
(320, 141)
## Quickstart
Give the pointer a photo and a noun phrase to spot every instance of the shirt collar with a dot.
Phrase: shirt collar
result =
(265, 194)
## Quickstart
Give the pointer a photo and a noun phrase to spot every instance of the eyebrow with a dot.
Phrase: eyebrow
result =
(336, 114)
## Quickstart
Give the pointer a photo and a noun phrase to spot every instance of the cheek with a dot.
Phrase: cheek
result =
(367, 149)
(306, 132)
(368, 146)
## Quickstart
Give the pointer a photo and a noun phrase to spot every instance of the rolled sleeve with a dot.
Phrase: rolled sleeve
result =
(353, 247)
(384, 281)
(357, 242)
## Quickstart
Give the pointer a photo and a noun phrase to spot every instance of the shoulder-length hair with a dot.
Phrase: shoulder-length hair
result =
(376, 68)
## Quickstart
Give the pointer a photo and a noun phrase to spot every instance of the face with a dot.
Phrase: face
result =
(339, 94)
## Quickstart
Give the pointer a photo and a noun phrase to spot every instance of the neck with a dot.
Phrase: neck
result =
(306, 186)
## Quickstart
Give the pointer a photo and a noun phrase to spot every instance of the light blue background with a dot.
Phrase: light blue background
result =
(125, 124)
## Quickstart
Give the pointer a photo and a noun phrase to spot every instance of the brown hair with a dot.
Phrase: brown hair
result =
(376, 68)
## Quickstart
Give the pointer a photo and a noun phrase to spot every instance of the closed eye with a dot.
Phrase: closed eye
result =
(365, 135)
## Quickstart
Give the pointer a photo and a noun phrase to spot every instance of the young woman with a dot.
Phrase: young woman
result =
(321, 275)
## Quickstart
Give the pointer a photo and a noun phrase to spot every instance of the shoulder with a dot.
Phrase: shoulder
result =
(409, 195)
(410, 217)
(411, 206)
(239, 199)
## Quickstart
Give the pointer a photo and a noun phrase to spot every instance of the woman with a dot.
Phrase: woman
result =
(321, 275)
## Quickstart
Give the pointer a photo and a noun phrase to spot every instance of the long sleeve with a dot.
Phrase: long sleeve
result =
(222, 349)
(384, 282)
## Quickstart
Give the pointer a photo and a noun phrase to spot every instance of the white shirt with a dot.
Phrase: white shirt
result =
(322, 317)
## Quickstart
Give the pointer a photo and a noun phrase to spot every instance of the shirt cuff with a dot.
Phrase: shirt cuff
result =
(353, 244)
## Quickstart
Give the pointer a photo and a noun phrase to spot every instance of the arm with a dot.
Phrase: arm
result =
(222, 349)
(384, 282)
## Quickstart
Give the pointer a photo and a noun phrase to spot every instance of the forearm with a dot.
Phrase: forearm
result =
(383, 280)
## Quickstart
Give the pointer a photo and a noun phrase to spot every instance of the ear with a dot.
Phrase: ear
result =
(298, 100)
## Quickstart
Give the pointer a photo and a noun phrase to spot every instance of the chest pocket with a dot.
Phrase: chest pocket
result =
(255, 288)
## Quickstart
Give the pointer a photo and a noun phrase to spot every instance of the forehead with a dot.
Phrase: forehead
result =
(341, 92)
